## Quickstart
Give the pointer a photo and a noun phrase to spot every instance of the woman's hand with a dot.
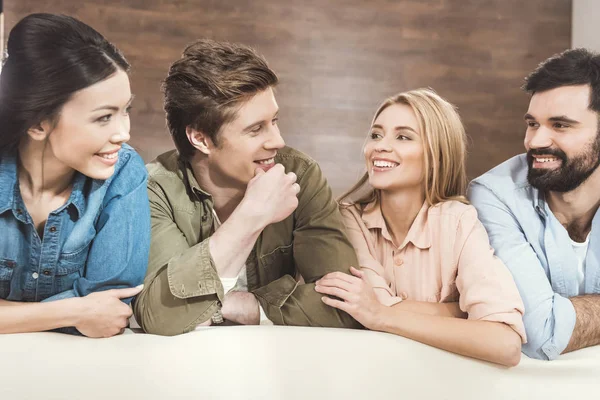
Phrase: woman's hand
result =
(356, 295)
(103, 314)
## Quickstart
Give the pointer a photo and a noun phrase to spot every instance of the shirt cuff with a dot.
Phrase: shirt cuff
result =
(273, 296)
(264, 320)
(193, 273)
(564, 323)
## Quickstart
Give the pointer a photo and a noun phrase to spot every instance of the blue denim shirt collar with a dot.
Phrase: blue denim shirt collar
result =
(9, 188)
(77, 198)
(8, 178)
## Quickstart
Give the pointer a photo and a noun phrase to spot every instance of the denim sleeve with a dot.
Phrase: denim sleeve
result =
(118, 255)
(549, 317)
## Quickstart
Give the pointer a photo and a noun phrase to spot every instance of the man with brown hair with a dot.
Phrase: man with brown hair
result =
(239, 221)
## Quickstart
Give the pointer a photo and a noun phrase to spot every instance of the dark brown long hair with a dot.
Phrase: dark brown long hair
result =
(50, 57)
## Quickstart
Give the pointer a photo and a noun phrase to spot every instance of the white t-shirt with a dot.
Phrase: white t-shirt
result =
(580, 250)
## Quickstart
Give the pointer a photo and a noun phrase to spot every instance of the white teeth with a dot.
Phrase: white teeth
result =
(267, 162)
(384, 164)
(547, 159)
(111, 156)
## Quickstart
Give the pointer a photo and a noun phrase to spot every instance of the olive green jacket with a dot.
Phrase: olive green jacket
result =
(182, 288)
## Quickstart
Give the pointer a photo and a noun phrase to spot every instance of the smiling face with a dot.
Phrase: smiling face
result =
(92, 127)
(562, 138)
(248, 142)
(394, 150)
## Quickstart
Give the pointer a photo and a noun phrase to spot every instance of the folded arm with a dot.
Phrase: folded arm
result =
(115, 265)
(100, 314)
(375, 274)
(549, 318)
(21, 317)
(587, 322)
(320, 246)
(182, 286)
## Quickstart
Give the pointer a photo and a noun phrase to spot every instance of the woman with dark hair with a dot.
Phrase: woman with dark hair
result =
(74, 210)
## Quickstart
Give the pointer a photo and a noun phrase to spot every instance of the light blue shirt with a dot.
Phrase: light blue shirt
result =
(537, 250)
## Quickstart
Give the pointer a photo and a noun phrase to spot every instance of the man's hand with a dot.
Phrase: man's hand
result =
(241, 308)
(271, 196)
(103, 314)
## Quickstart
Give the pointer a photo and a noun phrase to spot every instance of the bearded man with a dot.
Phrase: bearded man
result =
(541, 208)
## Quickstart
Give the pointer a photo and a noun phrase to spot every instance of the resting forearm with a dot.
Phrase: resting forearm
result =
(302, 306)
(484, 340)
(436, 309)
(587, 324)
(159, 312)
(232, 242)
(241, 308)
(18, 317)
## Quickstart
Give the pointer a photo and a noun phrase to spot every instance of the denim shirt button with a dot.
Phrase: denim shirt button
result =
(35, 275)
(19, 211)
(52, 229)
(46, 272)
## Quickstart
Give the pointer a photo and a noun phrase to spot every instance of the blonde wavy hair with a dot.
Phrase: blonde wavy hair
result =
(444, 147)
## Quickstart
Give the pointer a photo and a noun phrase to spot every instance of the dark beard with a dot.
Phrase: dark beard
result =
(571, 173)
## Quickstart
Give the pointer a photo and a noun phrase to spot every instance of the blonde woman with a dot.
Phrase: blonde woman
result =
(425, 259)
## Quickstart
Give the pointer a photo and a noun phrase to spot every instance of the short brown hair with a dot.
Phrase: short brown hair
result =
(207, 85)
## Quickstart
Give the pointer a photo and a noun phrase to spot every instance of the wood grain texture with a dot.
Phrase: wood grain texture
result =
(337, 60)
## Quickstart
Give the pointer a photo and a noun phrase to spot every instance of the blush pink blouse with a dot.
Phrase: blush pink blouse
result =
(445, 257)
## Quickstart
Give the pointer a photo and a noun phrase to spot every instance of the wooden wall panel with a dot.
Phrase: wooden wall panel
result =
(337, 60)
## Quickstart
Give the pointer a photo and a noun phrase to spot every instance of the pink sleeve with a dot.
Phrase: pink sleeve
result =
(487, 289)
(360, 237)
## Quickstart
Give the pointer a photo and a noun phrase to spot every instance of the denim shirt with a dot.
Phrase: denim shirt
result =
(99, 239)
(537, 250)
